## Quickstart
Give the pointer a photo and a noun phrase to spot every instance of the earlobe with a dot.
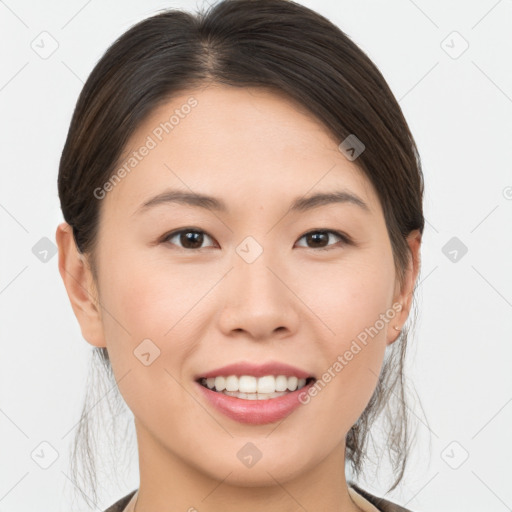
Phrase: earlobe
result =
(404, 295)
(80, 287)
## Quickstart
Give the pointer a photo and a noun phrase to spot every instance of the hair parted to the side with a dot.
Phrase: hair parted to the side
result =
(275, 44)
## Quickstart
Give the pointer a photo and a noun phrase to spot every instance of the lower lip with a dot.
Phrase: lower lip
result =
(255, 412)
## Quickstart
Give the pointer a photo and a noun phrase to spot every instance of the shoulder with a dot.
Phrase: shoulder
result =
(120, 505)
(380, 503)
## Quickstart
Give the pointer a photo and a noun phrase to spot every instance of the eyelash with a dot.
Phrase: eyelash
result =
(344, 238)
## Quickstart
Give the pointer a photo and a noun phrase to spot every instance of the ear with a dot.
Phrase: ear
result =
(80, 286)
(403, 295)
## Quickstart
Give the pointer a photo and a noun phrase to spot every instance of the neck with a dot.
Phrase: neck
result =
(168, 483)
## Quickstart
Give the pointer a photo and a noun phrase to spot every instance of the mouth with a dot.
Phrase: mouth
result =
(255, 394)
(251, 387)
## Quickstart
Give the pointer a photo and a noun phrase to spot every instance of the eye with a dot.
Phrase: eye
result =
(190, 238)
(320, 238)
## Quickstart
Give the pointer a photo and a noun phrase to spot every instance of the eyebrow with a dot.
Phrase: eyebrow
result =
(300, 204)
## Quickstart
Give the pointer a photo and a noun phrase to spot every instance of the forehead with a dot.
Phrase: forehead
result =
(236, 143)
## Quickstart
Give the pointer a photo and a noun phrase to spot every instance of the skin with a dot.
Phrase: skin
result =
(204, 308)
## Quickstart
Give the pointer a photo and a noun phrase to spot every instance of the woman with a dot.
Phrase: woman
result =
(243, 217)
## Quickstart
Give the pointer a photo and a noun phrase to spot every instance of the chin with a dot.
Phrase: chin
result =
(262, 473)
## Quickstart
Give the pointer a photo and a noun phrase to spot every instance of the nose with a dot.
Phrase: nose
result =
(258, 300)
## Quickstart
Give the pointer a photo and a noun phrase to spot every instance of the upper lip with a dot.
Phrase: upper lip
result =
(257, 370)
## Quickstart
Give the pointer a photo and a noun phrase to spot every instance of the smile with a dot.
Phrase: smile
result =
(249, 387)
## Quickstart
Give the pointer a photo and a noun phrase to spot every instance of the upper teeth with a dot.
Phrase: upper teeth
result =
(251, 384)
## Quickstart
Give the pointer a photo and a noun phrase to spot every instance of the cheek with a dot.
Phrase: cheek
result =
(133, 310)
(147, 314)
(156, 300)
(349, 295)
(148, 296)
(353, 302)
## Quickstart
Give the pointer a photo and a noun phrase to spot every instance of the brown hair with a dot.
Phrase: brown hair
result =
(282, 46)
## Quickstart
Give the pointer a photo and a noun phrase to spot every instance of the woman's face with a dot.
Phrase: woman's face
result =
(257, 281)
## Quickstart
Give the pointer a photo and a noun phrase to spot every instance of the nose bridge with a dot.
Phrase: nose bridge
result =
(258, 302)
(255, 269)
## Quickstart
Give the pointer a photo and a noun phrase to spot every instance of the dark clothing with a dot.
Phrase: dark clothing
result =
(382, 504)
(120, 505)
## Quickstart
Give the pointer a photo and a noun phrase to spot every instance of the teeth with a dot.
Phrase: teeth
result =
(231, 383)
(281, 383)
(266, 384)
(219, 383)
(253, 396)
(249, 385)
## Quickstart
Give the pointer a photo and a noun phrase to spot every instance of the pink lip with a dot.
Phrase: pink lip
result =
(257, 370)
(255, 412)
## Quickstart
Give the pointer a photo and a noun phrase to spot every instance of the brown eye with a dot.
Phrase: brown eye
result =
(320, 239)
(191, 239)
(188, 238)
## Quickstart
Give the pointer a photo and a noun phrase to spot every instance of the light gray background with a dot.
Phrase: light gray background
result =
(460, 112)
